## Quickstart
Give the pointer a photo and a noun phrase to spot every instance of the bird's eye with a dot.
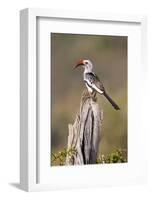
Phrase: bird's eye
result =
(86, 62)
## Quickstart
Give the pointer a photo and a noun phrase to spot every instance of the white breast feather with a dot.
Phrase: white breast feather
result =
(89, 89)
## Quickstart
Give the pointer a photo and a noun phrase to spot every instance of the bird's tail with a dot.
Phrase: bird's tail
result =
(116, 107)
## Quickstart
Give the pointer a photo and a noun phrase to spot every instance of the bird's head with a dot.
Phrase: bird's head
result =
(86, 64)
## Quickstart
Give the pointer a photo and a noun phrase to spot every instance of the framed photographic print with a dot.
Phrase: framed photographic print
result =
(81, 75)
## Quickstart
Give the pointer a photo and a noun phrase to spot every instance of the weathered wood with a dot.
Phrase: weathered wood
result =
(84, 134)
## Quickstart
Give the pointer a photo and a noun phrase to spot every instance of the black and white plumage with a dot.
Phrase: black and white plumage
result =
(92, 81)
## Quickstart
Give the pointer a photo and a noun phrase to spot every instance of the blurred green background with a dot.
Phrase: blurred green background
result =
(109, 57)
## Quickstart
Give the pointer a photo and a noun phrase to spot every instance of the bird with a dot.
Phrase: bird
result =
(93, 82)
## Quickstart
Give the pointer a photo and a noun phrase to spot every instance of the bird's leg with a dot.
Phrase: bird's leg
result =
(93, 95)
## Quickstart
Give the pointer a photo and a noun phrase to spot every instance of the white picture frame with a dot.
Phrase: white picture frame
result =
(29, 148)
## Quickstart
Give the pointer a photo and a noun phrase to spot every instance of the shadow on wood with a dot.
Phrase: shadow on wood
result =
(84, 134)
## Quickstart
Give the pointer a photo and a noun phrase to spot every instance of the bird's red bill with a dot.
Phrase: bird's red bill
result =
(79, 63)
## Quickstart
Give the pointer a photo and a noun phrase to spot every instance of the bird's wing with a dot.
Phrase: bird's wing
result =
(94, 82)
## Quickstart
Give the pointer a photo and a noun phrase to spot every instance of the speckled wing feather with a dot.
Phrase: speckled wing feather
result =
(94, 82)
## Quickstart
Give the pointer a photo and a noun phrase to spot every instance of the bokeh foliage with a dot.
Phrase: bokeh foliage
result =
(117, 156)
(109, 56)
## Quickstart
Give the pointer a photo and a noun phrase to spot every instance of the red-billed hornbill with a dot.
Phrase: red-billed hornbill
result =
(92, 81)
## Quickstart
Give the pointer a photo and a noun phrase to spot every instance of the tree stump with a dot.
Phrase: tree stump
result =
(84, 134)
